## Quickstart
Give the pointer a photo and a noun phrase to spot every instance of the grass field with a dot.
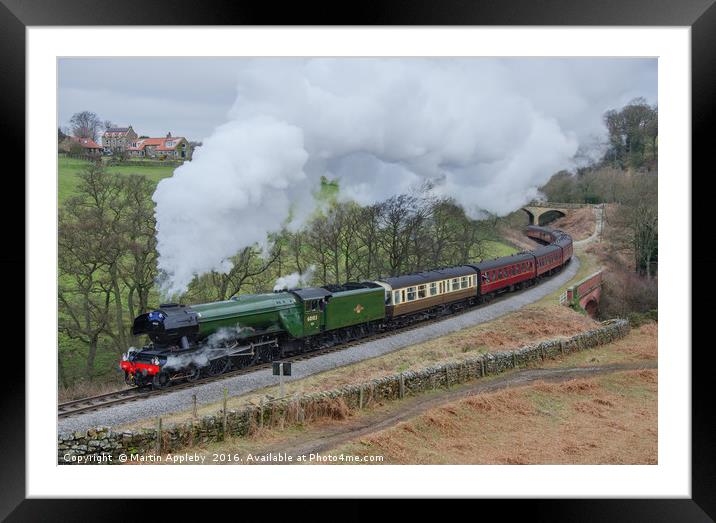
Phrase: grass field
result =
(495, 249)
(604, 420)
(69, 167)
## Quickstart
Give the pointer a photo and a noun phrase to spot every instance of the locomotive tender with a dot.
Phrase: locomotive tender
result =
(208, 339)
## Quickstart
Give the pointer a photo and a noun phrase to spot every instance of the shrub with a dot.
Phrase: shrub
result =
(629, 295)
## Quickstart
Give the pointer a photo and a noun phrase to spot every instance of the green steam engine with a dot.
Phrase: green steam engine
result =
(208, 339)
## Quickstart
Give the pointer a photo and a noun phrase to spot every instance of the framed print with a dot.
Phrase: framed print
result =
(422, 244)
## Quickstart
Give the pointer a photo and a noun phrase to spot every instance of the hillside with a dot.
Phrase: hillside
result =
(69, 167)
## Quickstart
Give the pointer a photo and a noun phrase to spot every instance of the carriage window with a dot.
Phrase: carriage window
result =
(485, 278)
(411, 293)
(455, 284)
(396, 297)
(433, 289)
(421, 291)
(463, 282)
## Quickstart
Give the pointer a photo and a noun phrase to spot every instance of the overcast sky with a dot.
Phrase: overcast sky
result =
(192, 96)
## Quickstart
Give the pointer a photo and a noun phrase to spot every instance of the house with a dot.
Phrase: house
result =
(167, 148)
(77, 145)
(119, 137)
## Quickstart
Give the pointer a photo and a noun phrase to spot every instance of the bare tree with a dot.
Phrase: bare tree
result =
(318, 246)
(85, 124)
(398, 218)
(138, 265)
(350, 245)
(367, 233)
(248, 264)
(635, 224)
(85, 290)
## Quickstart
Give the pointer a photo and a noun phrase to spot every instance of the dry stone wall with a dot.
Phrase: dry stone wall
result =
(103, 445)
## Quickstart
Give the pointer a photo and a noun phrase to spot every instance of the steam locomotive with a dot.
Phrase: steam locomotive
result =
(189, 342)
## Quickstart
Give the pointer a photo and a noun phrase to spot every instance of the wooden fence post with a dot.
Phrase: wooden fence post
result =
(159, 435)
(226, 397)
(193, 410)
(402, 386)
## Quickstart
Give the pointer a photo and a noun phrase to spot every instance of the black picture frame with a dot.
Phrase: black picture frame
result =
(700, 15)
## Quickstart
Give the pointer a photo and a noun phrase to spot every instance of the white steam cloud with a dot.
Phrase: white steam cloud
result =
(294, 280)
(484, 133)
(223, 342)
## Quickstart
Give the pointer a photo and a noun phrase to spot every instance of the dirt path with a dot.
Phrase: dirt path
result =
(598, 227)
(326, 438)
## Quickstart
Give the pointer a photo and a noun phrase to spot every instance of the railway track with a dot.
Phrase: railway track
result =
(103, 401)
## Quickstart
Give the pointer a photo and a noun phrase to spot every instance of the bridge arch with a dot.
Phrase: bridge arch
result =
(529, 215)
(592, 307)
(549, 216)
(540, 213)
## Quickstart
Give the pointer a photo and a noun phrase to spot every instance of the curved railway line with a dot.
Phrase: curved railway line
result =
(110, 399)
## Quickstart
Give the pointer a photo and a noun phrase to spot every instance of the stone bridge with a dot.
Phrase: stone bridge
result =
(585, 294)
(538, 210)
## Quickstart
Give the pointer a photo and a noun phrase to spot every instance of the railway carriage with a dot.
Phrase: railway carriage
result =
(564, 241)
(506, 273)
(543, 235)
(422, 291)
(547, 259)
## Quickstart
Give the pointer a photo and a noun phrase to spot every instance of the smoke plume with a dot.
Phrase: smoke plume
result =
(481, 132)
(294, 280)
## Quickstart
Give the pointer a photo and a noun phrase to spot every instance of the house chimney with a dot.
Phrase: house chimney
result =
(169, 135)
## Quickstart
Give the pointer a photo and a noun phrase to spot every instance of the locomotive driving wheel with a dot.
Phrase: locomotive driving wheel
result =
(218, 366)
(160, 380)
(193, 373)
